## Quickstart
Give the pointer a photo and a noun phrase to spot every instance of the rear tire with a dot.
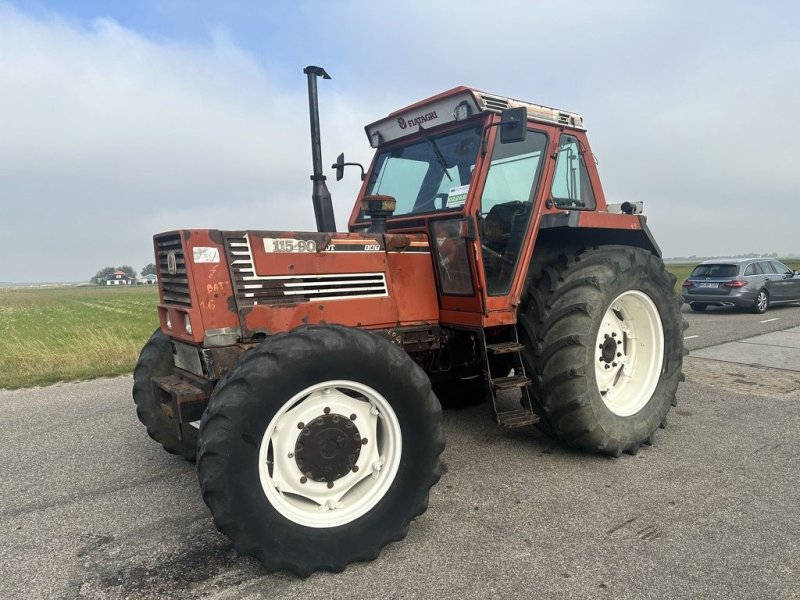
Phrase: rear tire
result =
(275, 447)
(592, 390)
(156, 360)
(697, 307)
(761, 304)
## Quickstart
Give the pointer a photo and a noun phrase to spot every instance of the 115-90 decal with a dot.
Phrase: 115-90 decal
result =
(289, 245)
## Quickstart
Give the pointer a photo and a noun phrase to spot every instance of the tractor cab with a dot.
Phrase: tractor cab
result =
(471, 171)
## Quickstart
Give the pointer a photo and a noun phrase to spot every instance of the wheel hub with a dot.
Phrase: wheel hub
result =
(327, 447)
(608, 351)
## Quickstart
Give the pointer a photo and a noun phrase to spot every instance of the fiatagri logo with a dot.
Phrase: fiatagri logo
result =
(417, 120)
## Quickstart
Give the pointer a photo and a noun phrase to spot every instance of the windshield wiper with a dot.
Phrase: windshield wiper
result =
(436, 152)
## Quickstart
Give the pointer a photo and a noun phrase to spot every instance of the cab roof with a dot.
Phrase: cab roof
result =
(440, 109)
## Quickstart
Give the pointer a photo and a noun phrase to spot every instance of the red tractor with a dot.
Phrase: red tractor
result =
(303, 370)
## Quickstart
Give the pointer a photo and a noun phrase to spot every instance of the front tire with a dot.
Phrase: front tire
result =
(319, 448)
(603, 334)
(156, 360)
(761, 304)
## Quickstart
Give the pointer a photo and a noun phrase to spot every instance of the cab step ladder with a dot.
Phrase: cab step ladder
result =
(515, 417)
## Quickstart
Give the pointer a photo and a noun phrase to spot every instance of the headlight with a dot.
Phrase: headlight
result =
(169, 322)
(375, 139)
(187, 324)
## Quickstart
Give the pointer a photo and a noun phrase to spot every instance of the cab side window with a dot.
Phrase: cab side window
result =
(571, 187)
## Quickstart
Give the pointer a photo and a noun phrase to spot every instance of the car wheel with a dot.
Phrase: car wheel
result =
(762, 302)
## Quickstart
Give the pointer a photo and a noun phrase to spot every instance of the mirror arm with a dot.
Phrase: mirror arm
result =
(360, 166)
(485, 136)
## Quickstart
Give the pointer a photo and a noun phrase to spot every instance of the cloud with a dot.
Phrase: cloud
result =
(108, 137)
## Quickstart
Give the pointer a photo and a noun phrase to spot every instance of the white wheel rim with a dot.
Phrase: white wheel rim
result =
(629, 353)
(307, 500)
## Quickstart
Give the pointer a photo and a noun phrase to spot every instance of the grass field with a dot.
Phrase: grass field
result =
(67, 333)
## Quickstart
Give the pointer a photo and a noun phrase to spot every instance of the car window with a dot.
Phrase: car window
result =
(715, 271)
(750, 270)
(780, 267)
(767, 268)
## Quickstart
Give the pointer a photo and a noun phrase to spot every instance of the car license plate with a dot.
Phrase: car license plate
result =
(705, 284)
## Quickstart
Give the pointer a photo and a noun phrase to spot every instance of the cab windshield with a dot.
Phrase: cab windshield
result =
(432, 174)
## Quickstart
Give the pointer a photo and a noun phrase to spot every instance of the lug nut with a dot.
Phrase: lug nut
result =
(353, 417)
(613, 334)
(300, 425)
(613, 364)
(330, 484)
(291, 454)
(606, 335)
(608, 366)
(303, 479)
(619, 354)
(326, 410)
(363, 441)
(355, 468)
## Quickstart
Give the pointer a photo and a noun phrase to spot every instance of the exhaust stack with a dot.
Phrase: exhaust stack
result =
(320, 196)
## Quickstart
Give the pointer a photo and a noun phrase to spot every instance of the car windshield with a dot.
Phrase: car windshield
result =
(720, 271)
(429, 175)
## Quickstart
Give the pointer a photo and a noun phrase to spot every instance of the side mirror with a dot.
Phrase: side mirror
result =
(339, 166)
(513, 125)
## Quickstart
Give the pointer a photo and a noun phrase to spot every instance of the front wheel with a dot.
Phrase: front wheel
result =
(156, 360)
(319, 448)
(603, 333)
(761, 304)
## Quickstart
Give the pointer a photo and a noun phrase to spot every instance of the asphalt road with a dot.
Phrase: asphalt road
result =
(718, 325)
(90, 507)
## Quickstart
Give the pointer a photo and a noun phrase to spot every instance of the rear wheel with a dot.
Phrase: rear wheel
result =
(603, 334)
(319, 448)
(697, 307)
(761, 304)
(156, 360)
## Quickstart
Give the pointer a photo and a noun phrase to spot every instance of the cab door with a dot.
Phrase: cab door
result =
(507, 204)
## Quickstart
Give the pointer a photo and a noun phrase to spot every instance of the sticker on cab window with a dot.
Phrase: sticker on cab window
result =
(457, 196)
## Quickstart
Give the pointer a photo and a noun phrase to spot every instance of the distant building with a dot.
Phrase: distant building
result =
(120, 278)
(150, 279)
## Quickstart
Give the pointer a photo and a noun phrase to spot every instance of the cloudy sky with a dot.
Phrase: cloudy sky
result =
(119, 120)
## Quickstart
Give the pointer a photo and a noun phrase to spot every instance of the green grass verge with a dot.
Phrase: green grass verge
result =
(49, 335)
(67, 333)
